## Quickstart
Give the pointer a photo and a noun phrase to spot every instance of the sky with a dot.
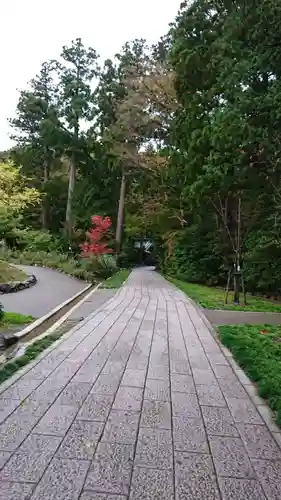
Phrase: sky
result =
(33, 31)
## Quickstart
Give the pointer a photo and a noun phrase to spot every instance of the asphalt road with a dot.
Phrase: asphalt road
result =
(51, 289)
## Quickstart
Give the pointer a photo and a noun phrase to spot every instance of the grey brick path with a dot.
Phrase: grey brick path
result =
(138, 402)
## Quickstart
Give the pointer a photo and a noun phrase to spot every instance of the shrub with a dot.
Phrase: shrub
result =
(101, 266)
(35, 241)
(95, 236)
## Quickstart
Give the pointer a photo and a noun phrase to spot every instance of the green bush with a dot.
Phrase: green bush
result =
(101, 266)
(35, 241)
(1, 311)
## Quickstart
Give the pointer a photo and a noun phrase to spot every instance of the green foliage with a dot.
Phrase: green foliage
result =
(31, 353)
(1, 311)
(117, 280)
(193, 123)
(101, 266)
(225, 159)
(92, 269)
(213, 298)
(257, 349)
(15, 197)
(33, 240)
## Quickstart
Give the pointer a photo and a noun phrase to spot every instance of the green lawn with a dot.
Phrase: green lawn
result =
(213, 298)
(117, 280)
(11, 318)
(257, 349)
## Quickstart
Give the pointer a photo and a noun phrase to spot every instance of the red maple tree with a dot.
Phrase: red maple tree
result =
(99, 229)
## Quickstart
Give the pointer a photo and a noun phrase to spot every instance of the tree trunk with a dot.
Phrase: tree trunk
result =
(45, 202)
(120, 217)
(69, 206)
(236, 286)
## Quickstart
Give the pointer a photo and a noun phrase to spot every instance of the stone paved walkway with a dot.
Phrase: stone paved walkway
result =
(139, 403)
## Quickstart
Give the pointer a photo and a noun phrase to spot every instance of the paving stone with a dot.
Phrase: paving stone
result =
(241, 489)
(64, 468)
(87, 374)
(14, 430)
(148, 484)
(106, 384)
(269, 473)
(138, 363)
(157, 390)
(74, 393)
(178, 355)
(210, 395)
(219, 421)
(121, 427)
(57, 420)
(202, 377)
(87, 495)
(110, 471)
(159, 372)
(194, 477)
(210, 345)
(217, 359)
(185, 404)
(4, 457)
(189, 435)
(224, 371)
(36, 443)
(182, 383)
(198, 361)
(31, 460)
(180, 367)
(113, 368)
(259, 442)
(243, 411)
(156, 414)
(232, 389)
(128, 398)
(154, 449)
(7, 406)
(230, 457)
(15, 491)
(20, 389)
(49, 390)
(134, 378)
(81, 440)
(95, 407)
(63, 479)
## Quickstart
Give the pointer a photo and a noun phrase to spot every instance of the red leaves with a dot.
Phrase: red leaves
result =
(94, 246)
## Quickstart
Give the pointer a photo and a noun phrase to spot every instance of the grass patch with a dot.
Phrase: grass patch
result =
(30, 354)
(213, 298)
(11, 318)
(257, 349)
(117, 280)
(10, 273)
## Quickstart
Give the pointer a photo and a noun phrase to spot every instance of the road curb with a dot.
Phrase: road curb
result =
(62, 320)
(40, 321)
